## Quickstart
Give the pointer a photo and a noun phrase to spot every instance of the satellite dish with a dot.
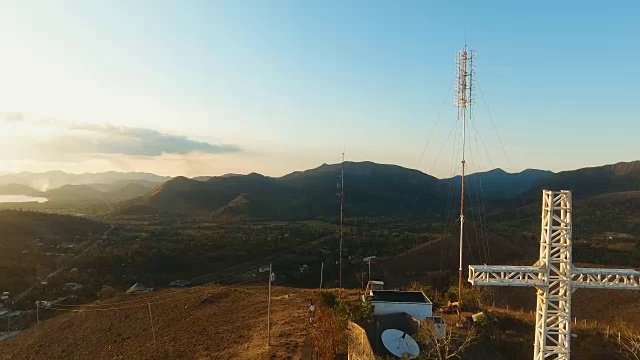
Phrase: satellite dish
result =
(399, 343)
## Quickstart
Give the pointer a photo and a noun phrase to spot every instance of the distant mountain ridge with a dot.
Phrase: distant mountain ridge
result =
(498, 182)
(205, 178)
(117, 192)
(56, 178)
(371, 189)
(593, 181)
(19, 189)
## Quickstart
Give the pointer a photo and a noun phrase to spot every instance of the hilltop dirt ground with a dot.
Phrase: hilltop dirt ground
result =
(197, 323)
(227, 322)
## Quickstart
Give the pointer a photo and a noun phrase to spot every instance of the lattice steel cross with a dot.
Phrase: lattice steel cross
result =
(555, 278)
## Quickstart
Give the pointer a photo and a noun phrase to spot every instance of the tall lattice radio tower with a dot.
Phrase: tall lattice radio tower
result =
(463, 100)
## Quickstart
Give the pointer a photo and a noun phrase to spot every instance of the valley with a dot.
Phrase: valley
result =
(216, 232)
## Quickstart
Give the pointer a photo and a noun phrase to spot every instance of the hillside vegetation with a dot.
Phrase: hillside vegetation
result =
(33, 244)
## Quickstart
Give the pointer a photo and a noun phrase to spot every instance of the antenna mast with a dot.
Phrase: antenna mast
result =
(341, 213)
(464, 77)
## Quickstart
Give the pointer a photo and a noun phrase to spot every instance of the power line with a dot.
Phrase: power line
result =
(494, 126)
(230, 277)
(424, 150)
(443, 146)
(435, 124)
(162, 295)
(143, 301)
(434, 164)
(152, 328)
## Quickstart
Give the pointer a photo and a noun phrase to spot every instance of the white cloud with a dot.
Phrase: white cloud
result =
(54, 140)
(109, 139)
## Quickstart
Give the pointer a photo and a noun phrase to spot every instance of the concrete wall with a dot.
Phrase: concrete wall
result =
(417, 310)
(359, 346)
(402, 322)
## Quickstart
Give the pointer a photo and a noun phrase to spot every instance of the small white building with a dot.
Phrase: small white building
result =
(414, 303)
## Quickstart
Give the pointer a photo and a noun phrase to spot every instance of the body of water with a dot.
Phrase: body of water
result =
(21, 199)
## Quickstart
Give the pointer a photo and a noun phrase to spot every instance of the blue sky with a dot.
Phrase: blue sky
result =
(288, 85)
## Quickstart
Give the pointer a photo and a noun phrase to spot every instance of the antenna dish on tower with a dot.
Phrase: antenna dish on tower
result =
(399, 343)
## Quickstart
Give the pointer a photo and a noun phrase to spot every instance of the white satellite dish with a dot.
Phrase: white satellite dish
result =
(399, 343)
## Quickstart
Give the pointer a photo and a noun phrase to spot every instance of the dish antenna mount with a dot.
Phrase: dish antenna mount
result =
(399, 343)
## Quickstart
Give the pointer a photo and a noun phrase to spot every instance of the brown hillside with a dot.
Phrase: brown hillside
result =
(608, 307)
(441, 254)
(616, 197)
(197, 323)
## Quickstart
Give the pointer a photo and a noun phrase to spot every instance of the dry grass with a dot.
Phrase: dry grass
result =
(223, 323)
(607, 307)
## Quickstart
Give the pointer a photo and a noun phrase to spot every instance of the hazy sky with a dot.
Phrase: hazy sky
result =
(212, 87)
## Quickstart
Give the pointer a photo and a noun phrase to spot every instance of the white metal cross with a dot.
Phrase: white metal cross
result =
(555, 278)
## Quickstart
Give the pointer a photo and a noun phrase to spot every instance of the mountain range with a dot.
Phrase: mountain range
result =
(92, 193)
(56, 178)
(378, 190)
(371, 189)
(498, 182)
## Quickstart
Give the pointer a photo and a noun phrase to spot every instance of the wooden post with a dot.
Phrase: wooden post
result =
(575, 321)
(37, 314)
(378, 336)
(607, 333)
(341, 216)
(321, 272)
(269, 307)
(585, 322)
(618, 337)
(153, 332)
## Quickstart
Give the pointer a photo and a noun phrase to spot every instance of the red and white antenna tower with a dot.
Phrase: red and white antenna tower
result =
(463, 100)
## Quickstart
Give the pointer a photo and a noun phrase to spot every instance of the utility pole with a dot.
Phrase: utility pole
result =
(321, 272)
(341, 214)
(361, 279)
(368, 259)
(269, 307)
